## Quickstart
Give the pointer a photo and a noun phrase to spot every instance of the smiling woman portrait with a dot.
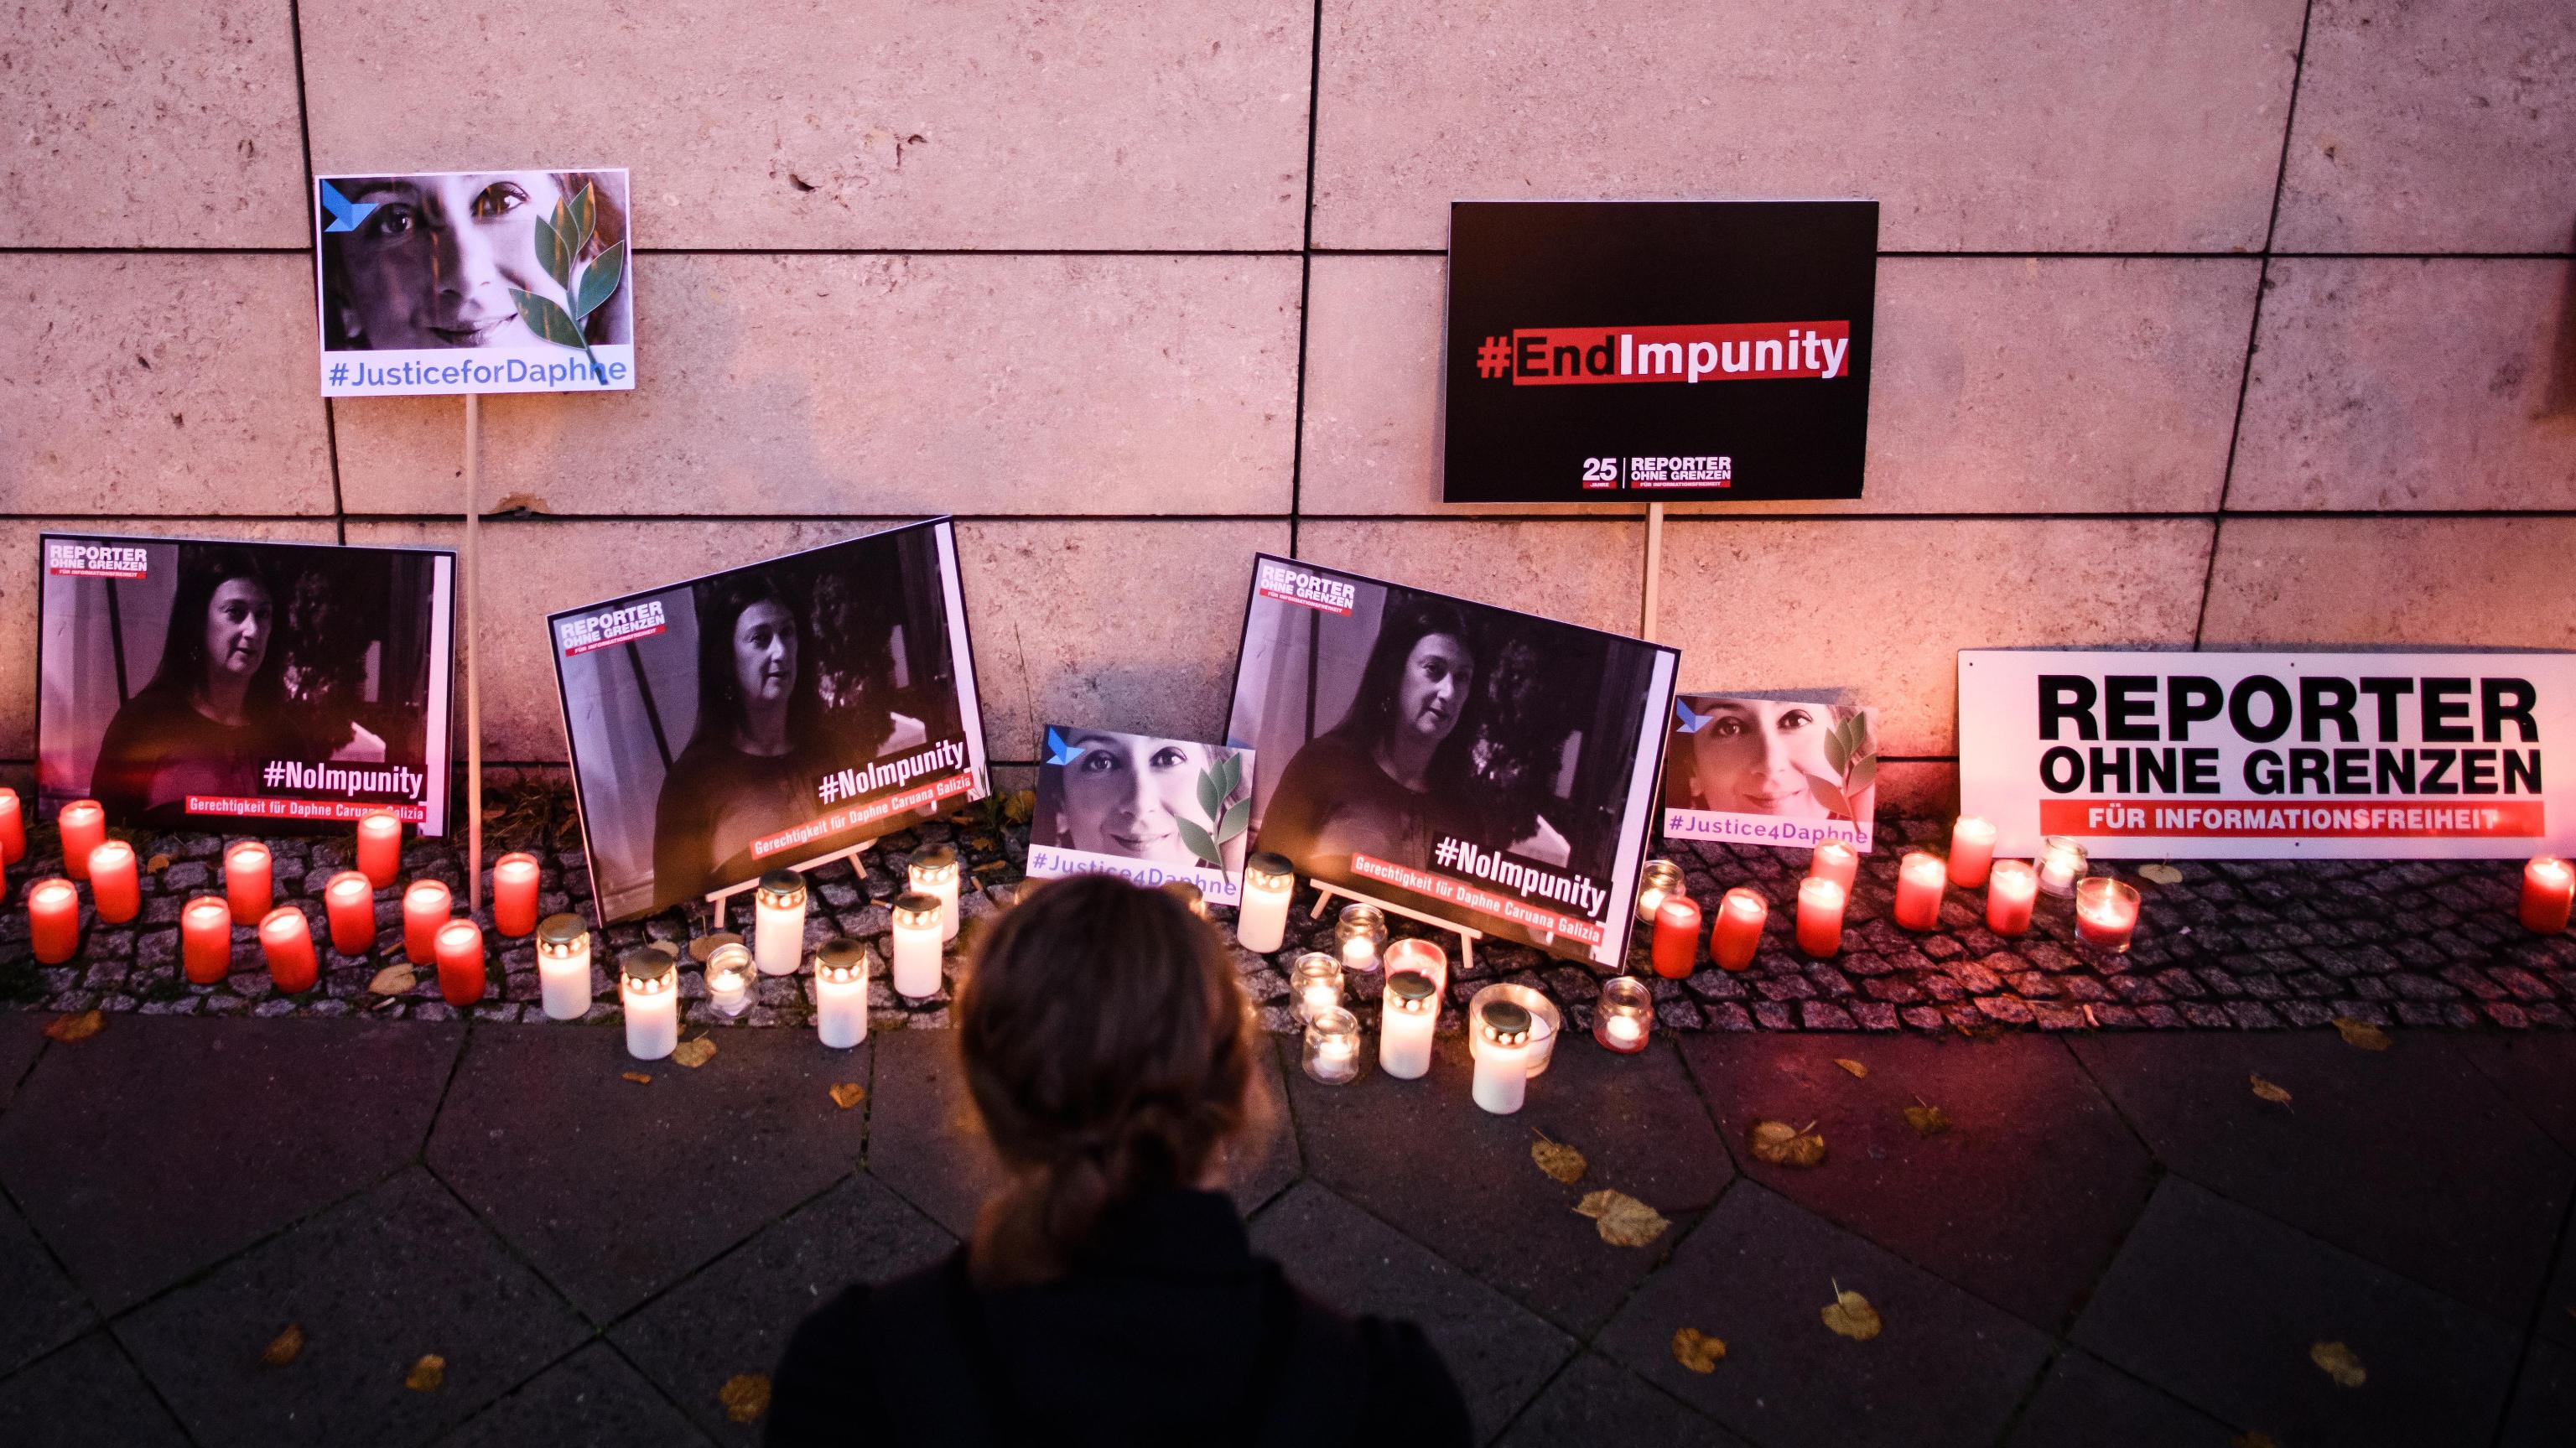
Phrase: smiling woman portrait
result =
(1758, 757)
(432, 260)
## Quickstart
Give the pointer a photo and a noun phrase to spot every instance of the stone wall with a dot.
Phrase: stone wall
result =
(2242, 322)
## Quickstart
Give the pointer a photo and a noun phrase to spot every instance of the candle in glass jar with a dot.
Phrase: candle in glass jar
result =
(563, 967)
(729, 973)
(1737, 934)
(1820, 916)
(461, 977)
(350, 902)
(115, 886)
(933, 871)
(514, 894)
(84, 828)
(1919, 878)
(1501, 1047)
(778, 922)
(840, 992)
(13, 828)
(247, 881)
(1837, 862)
(425, 907)
(2548, 889)
(916, 945)
(2106, 912)
(1359, 936)
(1417, 954)
(1676, 947)
(1315, 984)
(53, 921)
(1625, 1015)
(1972, 851)
(2012, 889)
(1411, 1014)
(1659, 879)
(206, 940)
(1332, 1053)
(287, 942)
(2061, 863)
(648, 991)
(379, 848)
(1261, 922)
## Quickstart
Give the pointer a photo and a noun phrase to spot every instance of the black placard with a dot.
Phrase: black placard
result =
(1671, 351)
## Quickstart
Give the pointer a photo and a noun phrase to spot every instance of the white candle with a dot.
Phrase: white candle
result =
(1359, 936)
(934, 872)
(563, 967)
(1659, 879)
(2061, 864)
(729, 973)
(916, 945)
(1404, 1031)
(1333, 1047)
(841, 992)
(1316, 983)
(1501, 1046)
(1261, 922)
(648, 988)
(778, 922)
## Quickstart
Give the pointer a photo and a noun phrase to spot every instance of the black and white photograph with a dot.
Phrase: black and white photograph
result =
(1783, 770)
(198, 684)
(1488, 767)
(768, 716)
(1147, 808)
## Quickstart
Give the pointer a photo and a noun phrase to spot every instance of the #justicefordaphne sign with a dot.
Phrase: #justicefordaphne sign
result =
(2218, 756)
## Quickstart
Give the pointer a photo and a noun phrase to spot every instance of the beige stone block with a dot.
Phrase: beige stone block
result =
(160, 384)
(151, 125)
(779, 124)
(2002, 385)
(1586, 572)
(2412, 384)
(892, 384)
(21, 577)
(2006, 126)
(1882, 607)
(2434, 125)
(2429, 583)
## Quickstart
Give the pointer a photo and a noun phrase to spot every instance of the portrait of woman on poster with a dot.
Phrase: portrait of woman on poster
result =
(1125, 794)
(1758, 756)
(432, 262)
(218, 707)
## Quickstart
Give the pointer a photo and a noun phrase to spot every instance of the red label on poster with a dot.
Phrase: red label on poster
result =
(825, 826)
(2257, 820)
(1442, 888)
(328, 810)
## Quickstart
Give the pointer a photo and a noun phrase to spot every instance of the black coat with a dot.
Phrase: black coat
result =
(1171, 1333)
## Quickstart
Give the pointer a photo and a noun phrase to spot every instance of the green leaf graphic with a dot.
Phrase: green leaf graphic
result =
(1861, 776)
(1233, 773)
(1237, 815)
(547, 320)
(1199, 843)
(1837, 750)
(1828, 794)
(583, 211)
(1212, 793)
(554, 249)
(599, 281)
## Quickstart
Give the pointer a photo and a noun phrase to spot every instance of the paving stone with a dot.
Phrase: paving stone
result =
(398, 1271)
(1757, 1273)
(2465, 1195)
(2084, 1402)
(2022, 1202)
(1637, 1120)
(22, 1036)
(614, 1190)
(591, 1399)
(84, 1396)
(2219, 1306)
(735, 1314)
(251, 1124)
(2543, 1414)
(1595, 1402)
(2536, 1072)
(1499, 1354)
(44, 1310)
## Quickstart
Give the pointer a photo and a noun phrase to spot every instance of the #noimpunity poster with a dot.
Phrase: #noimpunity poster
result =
(1464, 761)
(766, 716)
(1145, 808)
(1786, 772)
(474, 281)
(194, 684)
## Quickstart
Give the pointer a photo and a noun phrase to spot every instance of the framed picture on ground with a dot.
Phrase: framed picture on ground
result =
(1786, 771)
(1146, 808)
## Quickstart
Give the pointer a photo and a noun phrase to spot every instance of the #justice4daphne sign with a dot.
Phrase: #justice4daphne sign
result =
(2218, 756)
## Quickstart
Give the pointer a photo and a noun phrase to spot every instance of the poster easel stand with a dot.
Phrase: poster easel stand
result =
(1654, 570)
(1466, 938)
(716, 900)
(473, 656)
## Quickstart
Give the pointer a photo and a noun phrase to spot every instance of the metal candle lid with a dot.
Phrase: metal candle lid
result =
(1270, 867)
(1414, 991)
(649, 966)
(560, 933)
(931, 859)
(1507, 1022)
(916, 907)
(782, 888)
(841, 958)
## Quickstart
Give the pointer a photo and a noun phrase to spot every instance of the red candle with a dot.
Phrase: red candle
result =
(1837, 862)
(288, 943)
(2106, 912)
(351, 904)
(1676, 947)
(114, 888)
(2548, 888)
(460, 962)
(53, 920)
(514, 895)
(84, 825)
(1972, 851)
(425, 908)
(1919, 878)
(206, 939)
(1820, 916)
(1738, 932)
(2011, 890)
(246, 882)
(13, 829)
(379, 848)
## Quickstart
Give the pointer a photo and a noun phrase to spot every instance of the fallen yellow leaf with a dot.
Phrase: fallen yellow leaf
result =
(393, 980)
(283, 1348)
(1859, 1071)
(157, 864)
(1696, 1350)
(694, 1054)
(427, 1375)
(1020, 806)
(2161, 874)
(1851, 1316)
(745, 1397)
(2361, 1035)
(638, 1077)
(2269, 1092)
(1558, 1159)
(2340, 1364)
(1622, 1220)
(1781, 1144)
(848, 1094)
(69, 1029)
(2257, 1439)
(1926, 1119)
